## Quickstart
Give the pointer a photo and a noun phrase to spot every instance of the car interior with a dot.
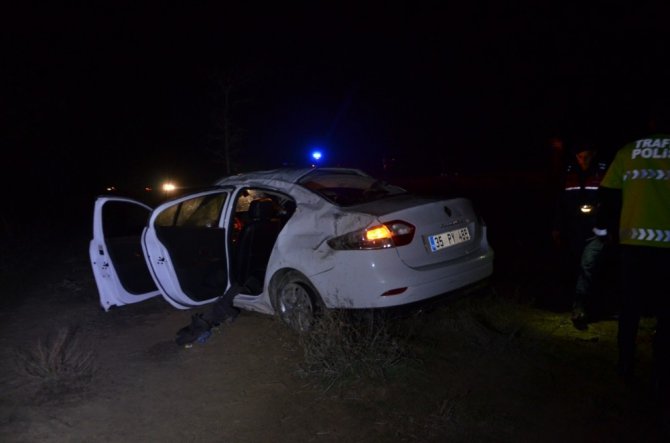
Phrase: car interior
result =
(254, 233)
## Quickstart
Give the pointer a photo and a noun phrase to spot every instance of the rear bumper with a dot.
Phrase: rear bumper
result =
(359, 282)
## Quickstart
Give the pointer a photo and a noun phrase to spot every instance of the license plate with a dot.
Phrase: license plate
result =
(446, 239)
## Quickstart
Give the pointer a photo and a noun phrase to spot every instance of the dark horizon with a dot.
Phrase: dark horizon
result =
(94, 97)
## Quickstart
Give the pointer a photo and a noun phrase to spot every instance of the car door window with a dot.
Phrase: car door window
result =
(203, 211)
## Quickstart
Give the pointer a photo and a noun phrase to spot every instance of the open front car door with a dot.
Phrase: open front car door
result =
(119, 267)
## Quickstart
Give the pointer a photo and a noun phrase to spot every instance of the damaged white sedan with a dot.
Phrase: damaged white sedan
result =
(296, 240)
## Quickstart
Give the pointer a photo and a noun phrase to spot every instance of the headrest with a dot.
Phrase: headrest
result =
(262, 209)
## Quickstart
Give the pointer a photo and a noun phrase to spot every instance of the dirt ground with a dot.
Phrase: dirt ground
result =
(502, 364)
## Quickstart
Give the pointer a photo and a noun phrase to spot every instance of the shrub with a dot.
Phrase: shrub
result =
(346, 344)
(58, 365)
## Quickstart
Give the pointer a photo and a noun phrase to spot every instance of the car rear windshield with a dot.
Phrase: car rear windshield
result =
(349, 188)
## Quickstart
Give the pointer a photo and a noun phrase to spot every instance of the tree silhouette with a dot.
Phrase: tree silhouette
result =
(227, 133)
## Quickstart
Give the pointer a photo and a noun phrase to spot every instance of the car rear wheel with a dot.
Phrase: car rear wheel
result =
(297, 302)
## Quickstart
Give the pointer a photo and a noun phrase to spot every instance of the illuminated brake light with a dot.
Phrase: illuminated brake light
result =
(389, 235)
(378, 233)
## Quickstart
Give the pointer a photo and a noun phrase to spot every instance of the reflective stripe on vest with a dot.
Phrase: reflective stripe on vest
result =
(647, 174)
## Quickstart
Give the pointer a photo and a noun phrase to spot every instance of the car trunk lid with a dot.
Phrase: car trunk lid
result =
(446, 229)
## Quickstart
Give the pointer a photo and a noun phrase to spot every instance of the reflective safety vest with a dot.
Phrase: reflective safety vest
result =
(589, 180)
(641, 170)
(575, 212)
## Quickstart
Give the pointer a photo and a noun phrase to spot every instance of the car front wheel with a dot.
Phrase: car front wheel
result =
(297, 302)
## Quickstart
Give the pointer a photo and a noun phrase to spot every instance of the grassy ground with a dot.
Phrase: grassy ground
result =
(486, 367)
(501, 365)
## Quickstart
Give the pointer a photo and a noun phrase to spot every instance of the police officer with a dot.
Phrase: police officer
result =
(574, 221)
(639, 177)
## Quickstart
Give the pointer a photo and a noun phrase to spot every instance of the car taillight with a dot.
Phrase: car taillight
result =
(388, 235)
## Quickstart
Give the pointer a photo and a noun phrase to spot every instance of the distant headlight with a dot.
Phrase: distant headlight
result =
(389, 235)
(586, 209)
(169, 187)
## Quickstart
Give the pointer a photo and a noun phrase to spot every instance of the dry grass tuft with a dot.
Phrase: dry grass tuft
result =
(346, 345)
(58, 365)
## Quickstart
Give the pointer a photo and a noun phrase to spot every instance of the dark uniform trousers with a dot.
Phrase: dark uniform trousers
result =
(646, 292)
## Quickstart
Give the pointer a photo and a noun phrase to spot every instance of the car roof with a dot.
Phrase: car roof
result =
(287, 175)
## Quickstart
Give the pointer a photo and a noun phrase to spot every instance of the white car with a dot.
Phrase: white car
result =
(297, 240)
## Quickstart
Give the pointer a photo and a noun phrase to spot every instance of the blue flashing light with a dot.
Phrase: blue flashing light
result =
(316, 155)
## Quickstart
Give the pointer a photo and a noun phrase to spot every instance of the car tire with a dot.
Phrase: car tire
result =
(296, 302)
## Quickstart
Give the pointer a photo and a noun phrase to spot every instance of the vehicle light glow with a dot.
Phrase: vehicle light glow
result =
(378, 233)
(169, 187)
(389, 235)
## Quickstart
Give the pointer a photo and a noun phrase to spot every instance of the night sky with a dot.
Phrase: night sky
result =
(129, 96)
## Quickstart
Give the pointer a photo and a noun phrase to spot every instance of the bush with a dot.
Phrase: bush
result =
(58, 365)
(347, 344)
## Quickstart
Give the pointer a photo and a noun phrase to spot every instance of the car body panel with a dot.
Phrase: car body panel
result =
(373, 273)
(429, 216)
(342, 278)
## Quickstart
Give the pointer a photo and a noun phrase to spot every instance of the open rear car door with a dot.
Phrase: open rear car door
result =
(185, 246)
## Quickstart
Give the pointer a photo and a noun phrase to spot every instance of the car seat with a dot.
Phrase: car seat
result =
(256, 241)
